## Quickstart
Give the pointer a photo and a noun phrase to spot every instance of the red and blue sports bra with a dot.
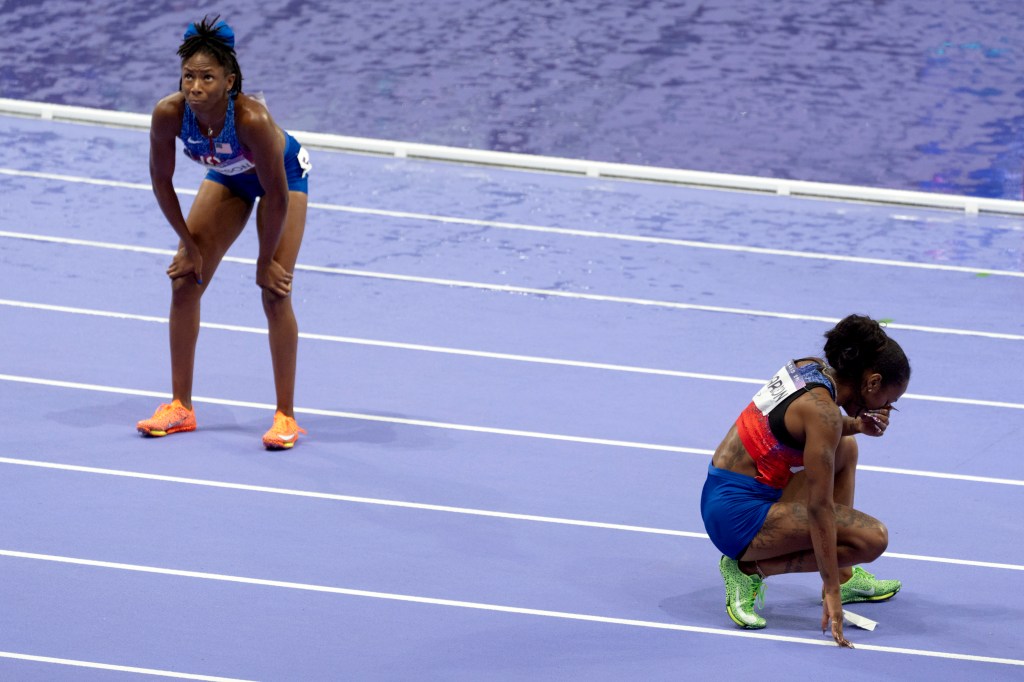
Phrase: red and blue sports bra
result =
(761, 426)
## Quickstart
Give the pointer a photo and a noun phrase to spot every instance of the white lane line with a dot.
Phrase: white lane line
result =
(471, 353)
(394, 344)
(71, 241)
(420, 506)
(335, 497)
(963, 401)
(497, 608)
(361, 416)
(78, 179)
(589, 234)
(938, 474)
(507, 288)
(117, 668)
(464, 427)
(957, 562)
(665, 241)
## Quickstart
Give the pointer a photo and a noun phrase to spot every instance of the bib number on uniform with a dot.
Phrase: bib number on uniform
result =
(785, 383)
(304, 163)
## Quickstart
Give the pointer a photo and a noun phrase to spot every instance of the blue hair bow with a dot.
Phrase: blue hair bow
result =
(221, 29)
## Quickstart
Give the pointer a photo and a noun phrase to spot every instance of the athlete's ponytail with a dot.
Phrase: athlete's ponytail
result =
(858, 344)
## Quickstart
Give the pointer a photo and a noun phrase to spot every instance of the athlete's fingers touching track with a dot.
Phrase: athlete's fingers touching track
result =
(837, 634)
(832, 610)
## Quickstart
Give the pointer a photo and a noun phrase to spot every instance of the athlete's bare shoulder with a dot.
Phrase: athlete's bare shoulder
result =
(167, 115)
(256, 127)
(812, 410)
(252, 110)
(817, 407)
(174, 103)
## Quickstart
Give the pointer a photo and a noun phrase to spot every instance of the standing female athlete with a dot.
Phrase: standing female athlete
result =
(766, 519)
(248, 157)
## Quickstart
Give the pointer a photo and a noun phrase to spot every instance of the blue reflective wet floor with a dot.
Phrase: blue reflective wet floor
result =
(910, 94)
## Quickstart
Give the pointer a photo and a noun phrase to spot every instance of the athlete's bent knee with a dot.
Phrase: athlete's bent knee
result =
(883, 538)
(847, 453)
(865, 539)
(275, 304)
(876, 540)
(185, 290)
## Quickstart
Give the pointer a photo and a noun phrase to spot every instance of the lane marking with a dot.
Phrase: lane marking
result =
(361, 416)
(119, 668)
(81, 180)
(666, 241)
(938, 474)
(394, 344)
(420, 506)
(464, 427)
(570, 232)
(471, 353)
(958, 562)
(508, 288)
(497, 608)
(964, 401)
(335, 497)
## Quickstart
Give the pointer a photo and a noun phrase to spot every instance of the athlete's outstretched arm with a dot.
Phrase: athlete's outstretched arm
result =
(823, 428)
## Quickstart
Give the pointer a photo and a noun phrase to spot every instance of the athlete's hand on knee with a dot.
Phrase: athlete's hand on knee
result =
(274, 278)
(832, 610)
(186, 263)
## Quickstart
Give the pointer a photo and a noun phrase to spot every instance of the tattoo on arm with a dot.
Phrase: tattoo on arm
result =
(827, 412)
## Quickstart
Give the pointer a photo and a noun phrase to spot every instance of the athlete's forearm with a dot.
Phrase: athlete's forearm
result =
(851, 426)
(823, 540)
(167, 200)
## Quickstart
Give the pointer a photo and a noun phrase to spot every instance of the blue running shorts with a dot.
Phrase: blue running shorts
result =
(734, 508)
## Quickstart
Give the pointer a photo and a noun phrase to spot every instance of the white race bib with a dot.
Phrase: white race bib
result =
(234, 166)
(785, 383)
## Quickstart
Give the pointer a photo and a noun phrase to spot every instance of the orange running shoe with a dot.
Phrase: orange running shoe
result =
(283, 434)
(168, 419)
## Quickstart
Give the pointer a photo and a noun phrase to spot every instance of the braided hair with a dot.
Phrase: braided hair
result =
(858, 344)
(217, 39)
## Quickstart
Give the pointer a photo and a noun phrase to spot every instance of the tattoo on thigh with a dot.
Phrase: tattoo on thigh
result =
(848, 517)
(781, 525)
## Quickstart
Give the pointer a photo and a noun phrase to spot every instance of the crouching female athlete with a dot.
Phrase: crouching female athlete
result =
(248, 157)
(768, 520)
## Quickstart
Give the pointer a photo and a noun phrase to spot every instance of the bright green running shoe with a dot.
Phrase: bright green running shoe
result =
(865, 587)
(741, 592)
